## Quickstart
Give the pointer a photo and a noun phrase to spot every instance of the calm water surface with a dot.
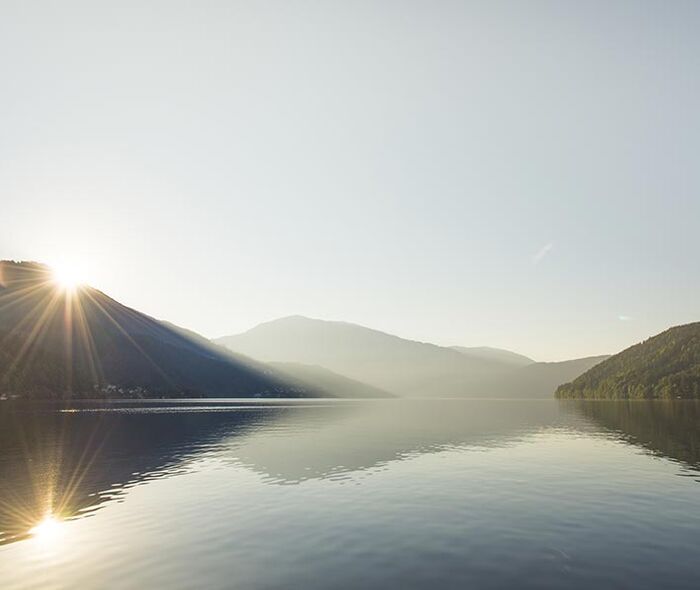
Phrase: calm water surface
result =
(381, 494)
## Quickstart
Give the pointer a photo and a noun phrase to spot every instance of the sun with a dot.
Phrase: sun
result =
(67, 276)
(48, 530)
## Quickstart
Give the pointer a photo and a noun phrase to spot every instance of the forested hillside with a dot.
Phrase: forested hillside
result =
(666, 366)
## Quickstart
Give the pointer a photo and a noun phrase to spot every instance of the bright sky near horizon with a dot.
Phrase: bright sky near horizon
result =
(505, 173)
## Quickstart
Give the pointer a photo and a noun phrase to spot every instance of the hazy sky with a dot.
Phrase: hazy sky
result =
(519, 173)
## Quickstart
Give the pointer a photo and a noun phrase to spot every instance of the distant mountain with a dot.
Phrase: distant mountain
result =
(665, 366)
(59, 343)
(399, 366)
(540, 380)
(325, 383)
(403, 367)
(495, 354)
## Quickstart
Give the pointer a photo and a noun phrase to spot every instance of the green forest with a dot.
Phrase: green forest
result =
(666, 366)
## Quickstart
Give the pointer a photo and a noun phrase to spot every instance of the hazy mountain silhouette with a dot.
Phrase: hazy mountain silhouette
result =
(326, 383)
(665, 366)
(397, 365)
(495, 354)
(540, 380)
(60, 343)
(400, 366)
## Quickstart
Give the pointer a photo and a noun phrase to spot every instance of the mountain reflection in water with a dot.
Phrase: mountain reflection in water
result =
(71, 461)
(669, 429)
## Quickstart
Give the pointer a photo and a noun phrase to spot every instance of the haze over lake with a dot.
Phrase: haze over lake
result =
(349, 295)
(350, 494)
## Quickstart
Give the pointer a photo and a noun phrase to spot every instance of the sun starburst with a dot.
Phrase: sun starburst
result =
(67, 276)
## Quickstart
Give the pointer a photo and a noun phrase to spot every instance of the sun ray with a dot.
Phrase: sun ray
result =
(40, 326)
(68, 341)
(68, 318)
(88, 342)
(129, 338)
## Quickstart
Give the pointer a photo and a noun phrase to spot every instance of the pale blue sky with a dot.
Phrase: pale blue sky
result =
(516, 174)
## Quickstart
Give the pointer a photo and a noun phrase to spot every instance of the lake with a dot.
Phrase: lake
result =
(350, 494)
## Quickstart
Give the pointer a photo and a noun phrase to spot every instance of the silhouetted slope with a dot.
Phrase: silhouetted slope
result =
(665, 366)
(403, 367)
(40, 376)
(57, 343)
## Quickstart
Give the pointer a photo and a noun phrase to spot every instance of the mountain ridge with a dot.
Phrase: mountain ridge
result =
(489, 352)
(80, 342)
(400, 366)
(90, 345)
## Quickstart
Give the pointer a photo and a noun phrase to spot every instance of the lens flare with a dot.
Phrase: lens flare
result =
(47, 530)
(67, 276)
